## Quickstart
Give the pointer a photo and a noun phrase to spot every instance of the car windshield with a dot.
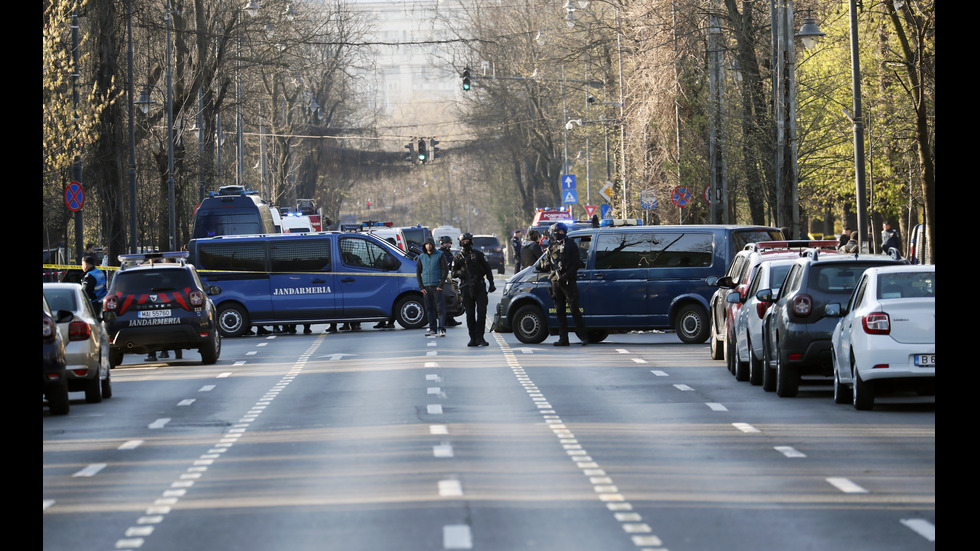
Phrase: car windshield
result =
(838, 277)
(742, 238)
(907, 285)
(155, 281)
(485, 242)
(61, 299)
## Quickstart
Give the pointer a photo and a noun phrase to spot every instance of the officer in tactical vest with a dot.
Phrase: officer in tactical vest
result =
(470, 267)
(562, 261)
(94, 282)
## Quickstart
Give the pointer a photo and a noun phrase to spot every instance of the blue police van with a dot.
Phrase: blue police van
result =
(633, 278)
(300, 278)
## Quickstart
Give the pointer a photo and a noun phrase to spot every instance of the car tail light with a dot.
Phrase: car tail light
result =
(196, 298)
(761, 308)
(876, 324)
(80, 372)
(110, 303)
(47, 328)
(802, 305)
(78, 331)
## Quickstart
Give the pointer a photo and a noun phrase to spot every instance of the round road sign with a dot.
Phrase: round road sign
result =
(681, 196)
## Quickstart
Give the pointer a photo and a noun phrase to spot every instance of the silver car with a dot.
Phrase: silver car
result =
(86, 342)
(747, 329)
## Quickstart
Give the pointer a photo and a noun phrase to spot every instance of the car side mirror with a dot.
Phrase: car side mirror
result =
(214, 290)
(64, 316)
(108, 317)
(711, 281)
(764, 295)
(733, 298)
(833, 310)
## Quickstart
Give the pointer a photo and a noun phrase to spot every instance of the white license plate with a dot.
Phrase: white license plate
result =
(154, 314)
(925, 360)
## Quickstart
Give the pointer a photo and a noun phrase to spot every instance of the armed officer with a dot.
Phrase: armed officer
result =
(562, 260)
(470, 267)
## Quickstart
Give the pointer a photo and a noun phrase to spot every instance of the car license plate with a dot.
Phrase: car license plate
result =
(154, 314)
(925, 360)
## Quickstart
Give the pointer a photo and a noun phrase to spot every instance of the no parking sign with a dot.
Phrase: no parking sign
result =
(681, 196)
(74, 196)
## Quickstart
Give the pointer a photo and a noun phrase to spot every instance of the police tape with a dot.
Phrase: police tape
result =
(58, 267)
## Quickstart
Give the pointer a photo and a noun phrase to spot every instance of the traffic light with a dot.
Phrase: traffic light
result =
(410, 156)
(423, 154)
(466, 79)
(433, 150)
(369, 204)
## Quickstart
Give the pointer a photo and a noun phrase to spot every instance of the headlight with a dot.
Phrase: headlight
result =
(507, 288)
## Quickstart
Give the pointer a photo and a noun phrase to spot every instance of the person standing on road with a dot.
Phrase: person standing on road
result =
(94, 283)
(470, 267)
(432, 271)
(445, 247)
(531, 251)
(516, 243)
(562, 260)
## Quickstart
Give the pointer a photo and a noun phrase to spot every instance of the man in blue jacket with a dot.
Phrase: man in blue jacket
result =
(432, 269)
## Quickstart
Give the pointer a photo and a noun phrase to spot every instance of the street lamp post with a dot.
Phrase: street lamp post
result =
(170, 138)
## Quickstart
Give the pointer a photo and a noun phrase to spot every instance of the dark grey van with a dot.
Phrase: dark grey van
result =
(634, 277)
(233, 210)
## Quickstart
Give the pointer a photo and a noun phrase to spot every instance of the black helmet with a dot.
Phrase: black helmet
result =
(445, 239)
(465, 236)
(559, 227)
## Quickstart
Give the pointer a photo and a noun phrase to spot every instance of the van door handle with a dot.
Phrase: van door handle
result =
(319, 281)
(347, 279)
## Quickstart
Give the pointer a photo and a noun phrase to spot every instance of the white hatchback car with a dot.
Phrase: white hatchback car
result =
(747, 324)
(86, 342)
(886, 337)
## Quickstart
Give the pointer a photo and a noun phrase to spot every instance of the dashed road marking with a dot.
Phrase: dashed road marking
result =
(846, 486)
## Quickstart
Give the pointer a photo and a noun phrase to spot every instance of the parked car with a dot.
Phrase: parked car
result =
(86, 342)
(737, 280)
(747, 351)
(796, 329)
(53, 364)
(633, 277)
(157, 302)
(490, 246)
(886, 336)
(301, 278)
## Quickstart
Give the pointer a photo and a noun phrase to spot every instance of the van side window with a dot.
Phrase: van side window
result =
(584, 244)
(362, 253)
(245, 257)
(687, 250)
(300, 255)
(626, 250)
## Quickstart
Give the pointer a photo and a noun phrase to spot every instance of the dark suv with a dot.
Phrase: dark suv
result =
(796, 333)
(489, 245)
(157, 302)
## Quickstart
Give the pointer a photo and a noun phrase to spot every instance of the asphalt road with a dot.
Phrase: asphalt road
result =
(390, 440)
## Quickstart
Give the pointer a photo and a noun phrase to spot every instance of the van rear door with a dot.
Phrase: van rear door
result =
(302, 283)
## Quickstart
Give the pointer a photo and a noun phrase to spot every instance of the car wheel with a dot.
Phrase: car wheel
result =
(232, 320)
(755, 368)
(741, 368)
(211, 350)
(530, 326)
(863, 396)
(729, 355)
(57, 396)
(115, 358)
(410, 312)
(691, 324)
(716, 349)
(787, 378)
(768, 373)
(107, 387)
(93, 390)
(841, 394)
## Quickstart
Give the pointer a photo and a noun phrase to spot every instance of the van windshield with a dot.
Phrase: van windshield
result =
(212, 224)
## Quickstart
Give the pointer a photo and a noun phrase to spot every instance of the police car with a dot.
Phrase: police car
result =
(156, 302)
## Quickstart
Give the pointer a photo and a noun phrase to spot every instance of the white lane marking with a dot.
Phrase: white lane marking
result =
(133, 543)
(434, 409)
(745, 427)
(659, 373)
(444, 449)
(622, 351)
(159, 423)
(526, 350)
(251, 353)
(450, 488)
(438, 429)
(239, 362)
(432, 353)
(846, 485)
(207, 388)
(433, 377)
(922, 527)
(715, 406)
(433, 390)
(682, 387)
(262, 344)
(639, 360)
(457, 536)
(139, 531)
(186, 402)
(90, 470)
(130, 445)
(223, 375)
(47, 503)
(430, 364)
(789, 451)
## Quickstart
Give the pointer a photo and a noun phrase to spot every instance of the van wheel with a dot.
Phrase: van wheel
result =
(597, 335)
(232, 320)
(691, 324)
(529, 325)
(410, 312)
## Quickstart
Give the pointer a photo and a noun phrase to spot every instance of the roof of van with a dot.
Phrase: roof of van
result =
(681, 227)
